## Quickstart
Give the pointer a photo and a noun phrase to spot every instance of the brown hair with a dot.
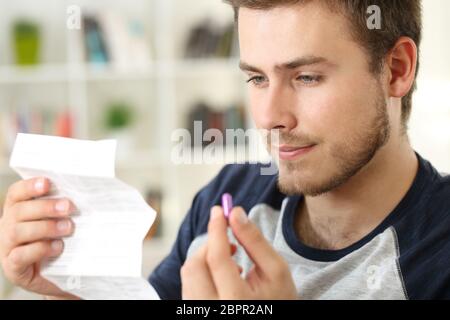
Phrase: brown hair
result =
(399, 18)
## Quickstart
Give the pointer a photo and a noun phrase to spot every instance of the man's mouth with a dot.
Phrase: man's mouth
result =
(287, 152)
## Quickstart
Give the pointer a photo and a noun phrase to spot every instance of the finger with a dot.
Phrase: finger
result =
(233, 249)
(22, 257)
(257, 247)
(42, 209)
(221, 265)
(196, 280)
(253, 278)
(27, 189)
(26, 232)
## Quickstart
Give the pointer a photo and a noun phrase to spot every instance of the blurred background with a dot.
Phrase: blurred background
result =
(137, 70)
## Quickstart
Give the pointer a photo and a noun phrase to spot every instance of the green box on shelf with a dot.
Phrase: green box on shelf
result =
(26, 42)
(118, 116)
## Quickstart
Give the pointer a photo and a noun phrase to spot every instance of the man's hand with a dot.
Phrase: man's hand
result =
(31, 230)
(212, 273)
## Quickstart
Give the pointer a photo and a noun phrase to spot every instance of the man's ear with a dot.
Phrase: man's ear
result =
(402, 65)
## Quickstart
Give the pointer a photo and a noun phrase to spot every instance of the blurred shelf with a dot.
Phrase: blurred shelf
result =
(11, 74)
(208, 66)
(107, 73)
(56, 73)
(65, 73)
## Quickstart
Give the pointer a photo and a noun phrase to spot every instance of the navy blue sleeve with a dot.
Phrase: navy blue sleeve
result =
(424, 241)
(247, 186)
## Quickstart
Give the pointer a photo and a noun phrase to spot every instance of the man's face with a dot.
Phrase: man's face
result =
(311, 81)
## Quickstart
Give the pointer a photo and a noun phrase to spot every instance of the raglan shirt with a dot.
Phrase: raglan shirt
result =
(407, 256)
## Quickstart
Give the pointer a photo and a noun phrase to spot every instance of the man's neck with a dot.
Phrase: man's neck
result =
(346, 214)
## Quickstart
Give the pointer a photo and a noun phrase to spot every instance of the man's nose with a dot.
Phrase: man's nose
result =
(277, 110)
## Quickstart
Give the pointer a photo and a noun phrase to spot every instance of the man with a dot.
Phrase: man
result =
(354, 212)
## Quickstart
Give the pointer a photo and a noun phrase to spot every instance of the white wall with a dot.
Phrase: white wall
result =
(430, 120)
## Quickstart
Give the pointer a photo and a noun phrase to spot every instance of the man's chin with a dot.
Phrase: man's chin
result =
(311, 190)
(292, 182)
(306, 182)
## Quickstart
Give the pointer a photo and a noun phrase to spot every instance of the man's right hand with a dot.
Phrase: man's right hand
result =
(31, 230)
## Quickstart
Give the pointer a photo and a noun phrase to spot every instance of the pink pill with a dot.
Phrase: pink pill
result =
(227, 204)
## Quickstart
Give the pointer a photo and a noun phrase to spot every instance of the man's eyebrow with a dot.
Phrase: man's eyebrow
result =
(296, 63)
(247, 67)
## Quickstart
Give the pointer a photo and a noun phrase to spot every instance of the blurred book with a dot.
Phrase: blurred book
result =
(221, 119)
(113, 39)
(225, 46)
(96, 51)
(64, 125)
(29, 120)
(154, 200)
(208, 40)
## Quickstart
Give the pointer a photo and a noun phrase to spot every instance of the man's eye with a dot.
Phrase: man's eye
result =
(309, 79)
(256, 80)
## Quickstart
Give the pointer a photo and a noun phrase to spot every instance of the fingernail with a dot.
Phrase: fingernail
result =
(241, 216)
(62, 205)
(63, 225)
(215, 213)
(39, 185)
(56, 245)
